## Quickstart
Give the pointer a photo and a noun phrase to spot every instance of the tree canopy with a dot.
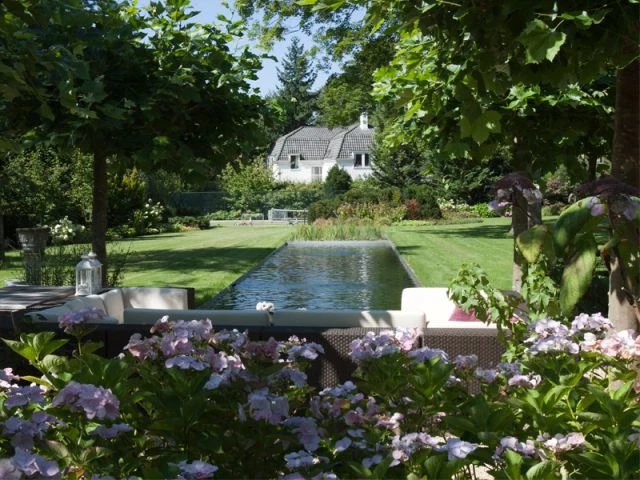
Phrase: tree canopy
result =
(295, 93)
(148, 87)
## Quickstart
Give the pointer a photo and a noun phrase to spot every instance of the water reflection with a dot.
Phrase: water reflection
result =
(335, 277)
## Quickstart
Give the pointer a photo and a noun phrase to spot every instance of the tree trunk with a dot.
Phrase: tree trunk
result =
(99, 214)
(1, 237)
(525, 213)
(625, 166)
(625, 159)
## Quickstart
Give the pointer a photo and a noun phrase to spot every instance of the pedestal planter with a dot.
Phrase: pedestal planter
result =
(34, 242)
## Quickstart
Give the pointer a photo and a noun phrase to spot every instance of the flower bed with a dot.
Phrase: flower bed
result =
(188, 402)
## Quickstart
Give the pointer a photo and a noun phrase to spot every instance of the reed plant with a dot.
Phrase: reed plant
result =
(338, 229)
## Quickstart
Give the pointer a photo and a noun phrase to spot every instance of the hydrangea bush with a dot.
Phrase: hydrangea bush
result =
(193, 403)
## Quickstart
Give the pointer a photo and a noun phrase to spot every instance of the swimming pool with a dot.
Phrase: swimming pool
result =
(322, 276)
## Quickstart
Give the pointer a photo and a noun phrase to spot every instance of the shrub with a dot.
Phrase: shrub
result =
(482, 210)
(126, 193)
(188, 402)
(425, 196)
(380, 213)
(337, 182)
(414, 209)
(323, 209)
(338, 229)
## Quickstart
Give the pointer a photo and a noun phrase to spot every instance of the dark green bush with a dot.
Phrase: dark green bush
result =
(426, 197)
(323, 209)
(337, 182)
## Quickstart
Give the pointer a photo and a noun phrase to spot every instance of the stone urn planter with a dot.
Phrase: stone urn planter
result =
(34, 242)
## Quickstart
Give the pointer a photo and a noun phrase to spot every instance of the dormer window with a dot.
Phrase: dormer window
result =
(360, 160)
(294, 161)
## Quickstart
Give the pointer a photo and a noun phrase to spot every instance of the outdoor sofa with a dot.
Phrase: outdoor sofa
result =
(429, 310)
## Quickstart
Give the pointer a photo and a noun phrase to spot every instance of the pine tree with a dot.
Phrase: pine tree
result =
(295, 95)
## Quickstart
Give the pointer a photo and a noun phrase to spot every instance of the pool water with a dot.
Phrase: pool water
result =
(322, 276)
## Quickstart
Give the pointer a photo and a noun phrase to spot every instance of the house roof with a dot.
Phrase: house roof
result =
(319, 143)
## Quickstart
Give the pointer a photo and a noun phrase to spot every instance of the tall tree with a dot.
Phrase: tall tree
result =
(150, 88)
(295, 93)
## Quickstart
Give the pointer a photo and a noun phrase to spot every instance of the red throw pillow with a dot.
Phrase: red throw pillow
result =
(459, 315)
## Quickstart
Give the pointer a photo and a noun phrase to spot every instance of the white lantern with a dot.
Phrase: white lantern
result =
(88, 275)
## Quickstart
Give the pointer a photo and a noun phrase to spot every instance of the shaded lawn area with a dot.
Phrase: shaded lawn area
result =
(436, 252)
(207, 260)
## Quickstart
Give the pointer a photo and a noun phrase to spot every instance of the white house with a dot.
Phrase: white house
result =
(308, 153)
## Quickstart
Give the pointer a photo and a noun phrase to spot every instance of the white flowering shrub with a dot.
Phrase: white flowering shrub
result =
(65, 231)
(148, 218)
(189, 402)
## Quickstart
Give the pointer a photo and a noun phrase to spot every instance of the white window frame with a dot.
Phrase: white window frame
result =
(364, 159)
(316, 174)
(294, 161)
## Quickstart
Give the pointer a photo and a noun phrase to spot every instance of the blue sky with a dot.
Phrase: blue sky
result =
(267, 78)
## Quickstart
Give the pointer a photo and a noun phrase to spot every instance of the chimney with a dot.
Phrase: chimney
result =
(364, 121)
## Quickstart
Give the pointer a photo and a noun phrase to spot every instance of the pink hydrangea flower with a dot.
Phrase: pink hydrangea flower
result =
(526, 381)
(306, 430)
(486, 375)
(143, 349)
(196, 470)
(266, 406)
(562, 443)
(527, 448)
(309, 351)
(112, 431)
(425, 354)
(623, 344)
(21, 396)
(300, 459)
(466, 362)
(7, 377)
(96, 402)
(23, 431)
(31, 464)
(457, 448)
(70, 321)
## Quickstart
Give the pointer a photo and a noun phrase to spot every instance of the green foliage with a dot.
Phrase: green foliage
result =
(426, 198)
(245, 183)
(378, 213)
(338, 181)
(127, 193)
(589, 226)
(294, 95)
(339, 229)
(399, 165)
(59, 262)
(29, 180)
(136, 86)
(323, 209)
(292, 196)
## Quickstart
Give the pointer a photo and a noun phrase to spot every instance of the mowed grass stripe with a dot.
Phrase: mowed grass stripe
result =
(435, 253)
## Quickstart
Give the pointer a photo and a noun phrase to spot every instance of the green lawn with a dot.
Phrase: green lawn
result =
(210, 260)
(436, 252)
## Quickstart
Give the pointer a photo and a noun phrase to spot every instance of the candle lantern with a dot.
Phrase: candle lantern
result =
(88, 275)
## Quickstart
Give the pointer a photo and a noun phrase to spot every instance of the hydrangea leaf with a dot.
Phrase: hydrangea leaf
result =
(577, 273)
(540, 42)
(535, 241)
(572, 220)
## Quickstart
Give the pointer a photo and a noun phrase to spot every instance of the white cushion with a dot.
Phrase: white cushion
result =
(76, 304)
(48, 315)
(230, 318)
(349, 318)
(155, 297)
(94, 301)
(113, 303)
(434, 302)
